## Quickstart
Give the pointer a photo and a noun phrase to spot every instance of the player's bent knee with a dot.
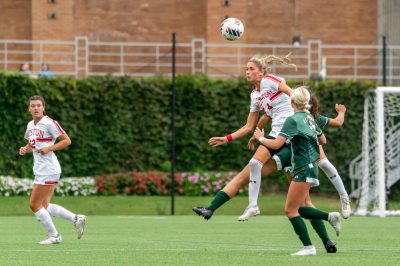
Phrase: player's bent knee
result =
(308, 203)
(34, 206)
(255, 163)
(290, 213)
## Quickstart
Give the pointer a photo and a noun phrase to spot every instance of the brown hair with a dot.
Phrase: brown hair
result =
(37, 98)
(45, 65)
(314, 102)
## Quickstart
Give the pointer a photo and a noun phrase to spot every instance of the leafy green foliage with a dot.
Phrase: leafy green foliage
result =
(120, 124)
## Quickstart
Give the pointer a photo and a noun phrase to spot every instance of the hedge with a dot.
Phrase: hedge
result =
(122, 124)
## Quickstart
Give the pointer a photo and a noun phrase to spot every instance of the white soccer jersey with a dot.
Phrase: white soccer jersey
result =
(275, 103)
(254, 101)
(44, 134)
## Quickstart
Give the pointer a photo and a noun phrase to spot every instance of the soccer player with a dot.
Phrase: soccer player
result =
(41, 134)
(303, 135)
(323, 162)
(283, 160)
(271, 94)
(276, 105)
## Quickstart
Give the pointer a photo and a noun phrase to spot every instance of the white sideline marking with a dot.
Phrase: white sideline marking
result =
(240, 249)
(142, 217)
(91, 250)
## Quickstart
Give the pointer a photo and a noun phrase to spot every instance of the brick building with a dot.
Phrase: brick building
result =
(266, 21)
(357, 22)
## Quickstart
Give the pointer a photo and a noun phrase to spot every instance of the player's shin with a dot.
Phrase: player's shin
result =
(220, 198)
(61, 212)
(44, 218)
(255, 181)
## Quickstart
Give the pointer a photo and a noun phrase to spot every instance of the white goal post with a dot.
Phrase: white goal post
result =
(377, 168)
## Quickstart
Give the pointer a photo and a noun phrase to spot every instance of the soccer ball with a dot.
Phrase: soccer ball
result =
(232, 29)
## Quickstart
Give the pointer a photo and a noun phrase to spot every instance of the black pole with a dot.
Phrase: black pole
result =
(384, 59)
(173, 129)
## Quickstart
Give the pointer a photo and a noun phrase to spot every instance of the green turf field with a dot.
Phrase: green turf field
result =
(190, 240)
(118, 233)
(272, 204)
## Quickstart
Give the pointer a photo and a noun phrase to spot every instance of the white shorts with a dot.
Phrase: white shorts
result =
(47, 179)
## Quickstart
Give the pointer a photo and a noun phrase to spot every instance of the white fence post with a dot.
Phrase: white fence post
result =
(79, 58)
(5, 55)
(198, 46)
(121, 68)
(311, 60)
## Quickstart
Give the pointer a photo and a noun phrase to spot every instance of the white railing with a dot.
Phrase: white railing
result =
(82, 57)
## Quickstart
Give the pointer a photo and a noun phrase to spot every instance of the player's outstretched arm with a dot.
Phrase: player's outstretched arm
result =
(339, 119)
(243, 131)
(262, 122)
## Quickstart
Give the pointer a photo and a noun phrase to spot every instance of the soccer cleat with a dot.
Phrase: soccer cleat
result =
(306, 251)
(80, 224)
(346, 208)
(249, 212)
(334, 220)
(51, 240)
(330, 246)
(206, 213)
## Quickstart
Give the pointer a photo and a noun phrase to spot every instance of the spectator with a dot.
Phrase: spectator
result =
(25, 68)
(45, 71)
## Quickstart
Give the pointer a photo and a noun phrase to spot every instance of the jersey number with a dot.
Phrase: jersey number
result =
(32, 142)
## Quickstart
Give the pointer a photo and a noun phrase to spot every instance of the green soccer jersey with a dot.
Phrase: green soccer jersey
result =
(303, 140)
(322, 121)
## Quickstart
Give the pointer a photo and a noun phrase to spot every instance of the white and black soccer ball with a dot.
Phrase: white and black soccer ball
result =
(232, 29)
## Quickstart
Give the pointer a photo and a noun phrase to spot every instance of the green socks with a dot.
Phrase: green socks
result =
(313, 213)
(301, 230)
(316, 216)
(319, 227)
(218, 200)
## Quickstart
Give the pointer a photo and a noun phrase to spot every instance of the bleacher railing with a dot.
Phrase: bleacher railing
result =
(82, 57)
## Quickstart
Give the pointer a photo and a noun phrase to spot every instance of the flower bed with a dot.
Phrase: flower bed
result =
(129, 183)
(75, 186)
(203, 184)
(158, 183)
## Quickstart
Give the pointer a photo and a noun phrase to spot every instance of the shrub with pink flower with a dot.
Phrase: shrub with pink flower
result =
(133, 183)
(205, 183)
(159, 183)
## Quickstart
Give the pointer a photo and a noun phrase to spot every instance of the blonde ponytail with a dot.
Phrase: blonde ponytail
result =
(264, 62)
(269, 59)
(301, 98)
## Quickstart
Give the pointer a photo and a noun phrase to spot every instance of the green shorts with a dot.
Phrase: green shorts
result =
(283, 158)
(307, 174)
(272, 152)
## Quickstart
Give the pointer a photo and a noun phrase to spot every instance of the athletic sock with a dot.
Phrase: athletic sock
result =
(44, 218)
(218, 200)
(312, 213)
(320, 228)
(330, 170)
(59, 211)
(301, 230)
(255, 181)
